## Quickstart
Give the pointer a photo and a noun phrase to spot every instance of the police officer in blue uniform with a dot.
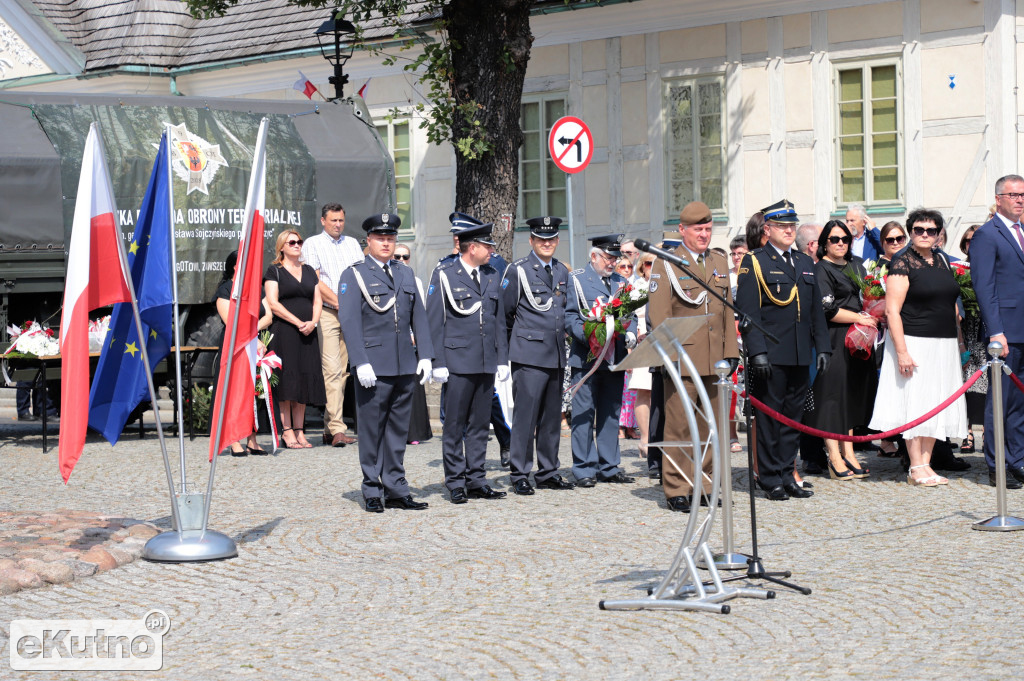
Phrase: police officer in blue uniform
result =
(776, 287)
(380, 310)
(467, 323)
(535, 290)
(599, 398)
(502, 432)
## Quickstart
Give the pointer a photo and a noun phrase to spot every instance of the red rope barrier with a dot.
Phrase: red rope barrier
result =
(1016, 382)
(764, 408)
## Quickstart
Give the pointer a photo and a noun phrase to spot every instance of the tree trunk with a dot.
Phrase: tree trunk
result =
(490, 49)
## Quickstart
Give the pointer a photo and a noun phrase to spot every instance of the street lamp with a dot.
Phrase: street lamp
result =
(330, 35)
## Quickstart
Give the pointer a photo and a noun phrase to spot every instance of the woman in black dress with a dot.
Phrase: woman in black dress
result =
(845, 393)
(292, 289)
(419, 420)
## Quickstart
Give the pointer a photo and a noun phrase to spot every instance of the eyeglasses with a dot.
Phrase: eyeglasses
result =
(625, 266)
(784, 227)
(1013, 195)
(895, 239)
(629, 253)
(399, 256)
(839, 239)
(648, 264)
(293, 242)
(930, 231)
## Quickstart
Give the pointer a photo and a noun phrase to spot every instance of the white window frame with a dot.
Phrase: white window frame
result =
(540, 99)
(865, 65)
(406, 230)
(694, 81)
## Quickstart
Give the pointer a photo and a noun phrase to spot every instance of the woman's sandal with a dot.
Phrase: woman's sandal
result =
(301, 437)
(858, 472)
(888, 453)
(967, 447)
(735, 446)
(290, 445)
(930, 481)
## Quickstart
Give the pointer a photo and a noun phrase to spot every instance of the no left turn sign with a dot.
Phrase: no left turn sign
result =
(571, 144)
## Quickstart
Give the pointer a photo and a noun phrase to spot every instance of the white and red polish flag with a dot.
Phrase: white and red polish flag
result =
(304, 85)
(233, 416)
(95, 278)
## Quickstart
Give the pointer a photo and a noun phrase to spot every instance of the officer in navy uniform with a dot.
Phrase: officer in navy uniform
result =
(380, 310)
(502, 432)
(598, 399)
(467, 323)
(776, 287)
(535, 290)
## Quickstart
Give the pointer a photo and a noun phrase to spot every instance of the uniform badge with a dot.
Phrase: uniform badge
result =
(744, 270)
(384, 217)
(504, 283)
(343, 288)
(654, 286)
(656, 275)
(376, 299)
(430, 289)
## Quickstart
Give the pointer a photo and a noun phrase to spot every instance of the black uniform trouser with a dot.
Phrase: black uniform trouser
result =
(785, 391)
(467, 406)
(384, 412)
(656, 429)
(537, 396)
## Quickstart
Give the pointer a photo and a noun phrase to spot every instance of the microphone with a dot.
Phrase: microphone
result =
(645, 245)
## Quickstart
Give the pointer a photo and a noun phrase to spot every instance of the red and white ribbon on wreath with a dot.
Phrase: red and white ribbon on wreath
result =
(609, 340)
(265, 365)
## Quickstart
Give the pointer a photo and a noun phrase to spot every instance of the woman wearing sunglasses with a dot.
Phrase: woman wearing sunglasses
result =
(294, 296)
(843, 394)
(976, 340)
(894, 240)
(921, 365)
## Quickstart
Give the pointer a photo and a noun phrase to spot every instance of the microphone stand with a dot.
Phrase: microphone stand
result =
(755, 568)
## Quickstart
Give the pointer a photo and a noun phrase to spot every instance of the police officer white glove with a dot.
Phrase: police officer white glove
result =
(367, 379)
(630, 340)
(503, 372)
(424, 367)
(439, 375)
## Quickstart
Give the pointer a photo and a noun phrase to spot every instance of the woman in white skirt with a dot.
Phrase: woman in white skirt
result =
(921, 365)
(640, 378)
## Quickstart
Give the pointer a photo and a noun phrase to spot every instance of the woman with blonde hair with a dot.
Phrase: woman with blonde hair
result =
(292, 290)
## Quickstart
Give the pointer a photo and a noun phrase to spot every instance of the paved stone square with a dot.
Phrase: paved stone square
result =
(508, 589)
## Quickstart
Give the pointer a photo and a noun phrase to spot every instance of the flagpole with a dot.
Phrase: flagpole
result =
(174, 296)
(232, 333)
(148, 370)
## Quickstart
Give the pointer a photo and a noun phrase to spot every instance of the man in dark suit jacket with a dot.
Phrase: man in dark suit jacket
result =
(380, 310)
(535, 290)
(467, 323)
(598, 399)
(867, 243)
(997, 273)
(777, 288)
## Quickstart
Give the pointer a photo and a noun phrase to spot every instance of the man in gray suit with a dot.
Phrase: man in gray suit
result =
(380, 309)
(599, 398)
(534, 295)
(467, 324)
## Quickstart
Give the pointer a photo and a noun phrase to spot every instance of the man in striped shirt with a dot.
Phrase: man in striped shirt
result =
(330, 253)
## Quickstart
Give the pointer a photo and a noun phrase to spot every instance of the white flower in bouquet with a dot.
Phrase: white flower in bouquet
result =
(35, 340)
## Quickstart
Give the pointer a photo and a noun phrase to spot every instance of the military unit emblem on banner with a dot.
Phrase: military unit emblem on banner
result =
(194, 160)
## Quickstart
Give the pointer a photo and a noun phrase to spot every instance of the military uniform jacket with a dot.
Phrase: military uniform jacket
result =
(714, 341)
(537, 335)
(383, 338)
(468, 338)
(799, 324)
(576, 310)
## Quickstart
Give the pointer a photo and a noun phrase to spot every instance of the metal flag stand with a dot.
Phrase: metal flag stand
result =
(999, 522)
(190, 540)
(683, 587)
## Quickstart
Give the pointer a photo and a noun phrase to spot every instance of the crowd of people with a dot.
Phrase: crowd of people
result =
(845, 328)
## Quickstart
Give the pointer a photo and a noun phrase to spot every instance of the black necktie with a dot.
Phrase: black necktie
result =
(476, 279)
(788, 258)
(607, 283)
(547, 269)
(387, 271)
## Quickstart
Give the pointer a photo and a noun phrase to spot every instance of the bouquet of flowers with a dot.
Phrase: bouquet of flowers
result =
(31, 340)
(962, 274)
(267, 362)
(614, 315)
(862, 338)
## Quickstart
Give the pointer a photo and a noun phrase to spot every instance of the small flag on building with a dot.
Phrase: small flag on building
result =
(305, 86)
(362, 90)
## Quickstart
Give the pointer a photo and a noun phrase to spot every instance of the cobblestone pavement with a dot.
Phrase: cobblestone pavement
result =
(508, 589)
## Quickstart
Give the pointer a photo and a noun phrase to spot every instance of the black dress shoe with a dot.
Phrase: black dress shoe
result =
(795, 490)
(485, 492)
(244, 452)
(506, 458)
(406, 502)
(704, 500)
(27, 417)
(1017, 472)
(952, 464)
(458, 495)
(256, 451)
(555, 482)
(1011, 482)
(522, 487)
(777, 493)
(813, 469)
(654, 473)
(681, 504)
(586, 482)
(619, 477)
(374, 505)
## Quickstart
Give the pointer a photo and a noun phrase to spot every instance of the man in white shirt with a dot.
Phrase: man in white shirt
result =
(330, 253)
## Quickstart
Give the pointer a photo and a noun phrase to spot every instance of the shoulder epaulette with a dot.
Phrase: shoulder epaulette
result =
(577, 272)
(521, 261)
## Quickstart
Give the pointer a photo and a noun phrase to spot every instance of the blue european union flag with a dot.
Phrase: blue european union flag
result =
(120, 381)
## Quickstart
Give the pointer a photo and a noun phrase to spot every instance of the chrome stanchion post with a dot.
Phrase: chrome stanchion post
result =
(1000, 522)
(727, 559)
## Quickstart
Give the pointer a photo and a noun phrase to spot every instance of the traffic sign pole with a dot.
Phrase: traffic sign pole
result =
(568, 207)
